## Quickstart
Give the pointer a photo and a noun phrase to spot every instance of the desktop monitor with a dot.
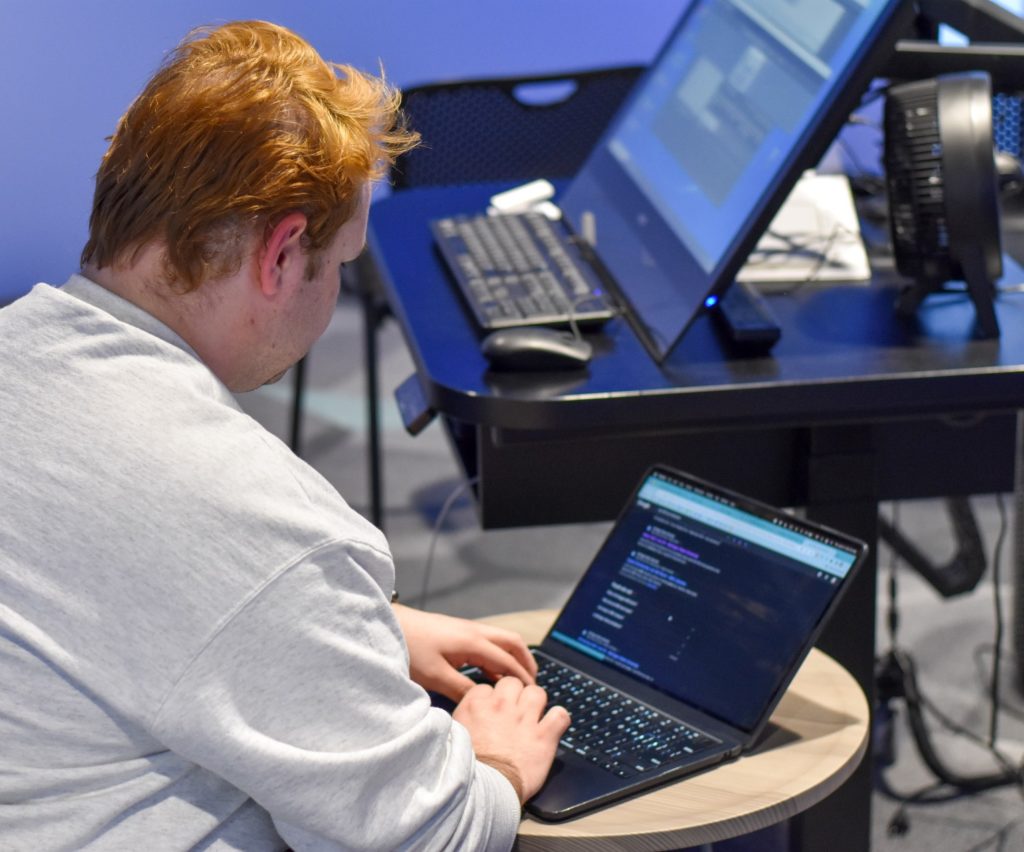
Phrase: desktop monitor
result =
(744, 96)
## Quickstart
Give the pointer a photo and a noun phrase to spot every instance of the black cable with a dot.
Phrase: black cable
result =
(887, 681)
(916, 701)
(960, 785)
(926, 795)
(999, 837)
(899, 822)
(982, 667)
(893, 616)
(960, 730)
(922, 739)
(897, 678)
(998, 639)
(814, 246)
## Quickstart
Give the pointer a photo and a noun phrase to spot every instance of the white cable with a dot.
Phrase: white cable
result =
(445, 508)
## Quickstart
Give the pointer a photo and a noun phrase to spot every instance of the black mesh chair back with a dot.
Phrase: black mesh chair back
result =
(509, 129)
(1008, 122)
(477, 131)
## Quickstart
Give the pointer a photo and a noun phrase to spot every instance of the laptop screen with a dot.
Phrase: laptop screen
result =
(705, 596)
(741, 100)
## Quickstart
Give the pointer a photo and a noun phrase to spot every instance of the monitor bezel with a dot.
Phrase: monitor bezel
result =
(659, 696)
(602, 182)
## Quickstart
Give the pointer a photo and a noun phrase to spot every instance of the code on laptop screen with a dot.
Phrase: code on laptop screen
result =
(702, 599)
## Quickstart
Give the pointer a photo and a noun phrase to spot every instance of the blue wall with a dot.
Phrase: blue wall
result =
(68, 69)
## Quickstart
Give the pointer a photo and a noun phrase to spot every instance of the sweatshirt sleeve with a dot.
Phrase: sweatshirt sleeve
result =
(302, 699)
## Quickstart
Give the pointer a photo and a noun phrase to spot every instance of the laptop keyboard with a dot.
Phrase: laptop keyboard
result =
(613, 731)
(520, 269)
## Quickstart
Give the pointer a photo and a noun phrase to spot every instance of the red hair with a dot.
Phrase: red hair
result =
(241, 125)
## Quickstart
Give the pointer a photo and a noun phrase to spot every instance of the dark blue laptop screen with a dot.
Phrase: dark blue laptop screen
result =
(704, 599)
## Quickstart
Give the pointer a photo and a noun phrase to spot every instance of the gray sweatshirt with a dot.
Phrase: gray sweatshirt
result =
(197, 648)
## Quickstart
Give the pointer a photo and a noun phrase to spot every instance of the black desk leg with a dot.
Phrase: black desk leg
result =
(841, 493)
(371, 324)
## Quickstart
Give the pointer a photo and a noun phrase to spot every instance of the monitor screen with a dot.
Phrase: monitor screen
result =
(744, 96)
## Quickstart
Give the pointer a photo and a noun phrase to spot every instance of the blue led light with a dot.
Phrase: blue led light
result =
(710, 301)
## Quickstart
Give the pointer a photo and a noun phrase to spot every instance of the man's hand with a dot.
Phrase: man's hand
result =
(439, 645)
(509, 732)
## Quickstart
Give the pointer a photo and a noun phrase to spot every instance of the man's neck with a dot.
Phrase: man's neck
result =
(206, 322)
(139, 283)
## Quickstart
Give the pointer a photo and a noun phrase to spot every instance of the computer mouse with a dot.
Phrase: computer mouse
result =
(535, 348)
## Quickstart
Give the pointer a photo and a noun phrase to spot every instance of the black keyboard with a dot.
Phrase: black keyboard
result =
(613, 731)
(520, 269)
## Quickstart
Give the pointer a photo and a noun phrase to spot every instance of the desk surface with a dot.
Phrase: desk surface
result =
(843, 356)
(817, 737)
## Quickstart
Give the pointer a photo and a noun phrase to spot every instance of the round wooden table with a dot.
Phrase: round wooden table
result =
(816, 737)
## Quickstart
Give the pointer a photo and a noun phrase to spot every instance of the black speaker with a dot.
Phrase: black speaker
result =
(943, 190)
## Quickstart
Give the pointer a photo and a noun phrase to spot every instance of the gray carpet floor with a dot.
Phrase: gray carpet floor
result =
(474, 572)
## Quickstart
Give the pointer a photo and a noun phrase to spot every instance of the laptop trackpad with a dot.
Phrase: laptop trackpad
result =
(573, 785)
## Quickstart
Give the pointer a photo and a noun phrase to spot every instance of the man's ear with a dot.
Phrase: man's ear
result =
(281, 258)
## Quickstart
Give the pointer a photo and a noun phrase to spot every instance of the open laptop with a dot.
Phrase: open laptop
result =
(691, 621)
(744, 96)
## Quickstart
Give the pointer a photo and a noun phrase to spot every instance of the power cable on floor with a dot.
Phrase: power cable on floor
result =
(896, 678)
(997, 640)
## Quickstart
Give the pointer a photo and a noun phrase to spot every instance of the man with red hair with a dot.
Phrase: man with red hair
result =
(198, 643)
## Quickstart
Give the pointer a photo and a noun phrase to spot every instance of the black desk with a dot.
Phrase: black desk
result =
(852, 407)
